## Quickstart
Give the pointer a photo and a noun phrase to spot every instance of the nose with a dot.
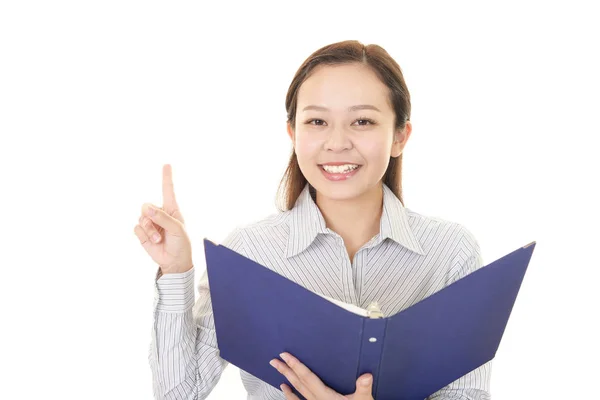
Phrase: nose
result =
(338, 139)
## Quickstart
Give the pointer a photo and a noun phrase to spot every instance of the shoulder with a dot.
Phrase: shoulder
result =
(457, 239)
(272, 226)
(453, 245)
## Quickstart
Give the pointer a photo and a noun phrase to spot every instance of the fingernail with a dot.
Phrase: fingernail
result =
(272, 362)
(365, 381)
(285, 357)
(156, 237)
(151, 211)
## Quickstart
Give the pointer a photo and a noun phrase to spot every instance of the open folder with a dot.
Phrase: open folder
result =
(259, 314)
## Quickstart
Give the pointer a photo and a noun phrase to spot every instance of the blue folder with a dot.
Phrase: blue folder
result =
(259, 314)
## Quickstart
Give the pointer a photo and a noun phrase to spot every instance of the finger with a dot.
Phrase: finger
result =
(364, 387)
(151, 230)
(144, 240)
(169, 201)
(150, 227)
(162, 219)
(291, 376)
(289, 394)
(146, 222)
(306, 376)
(145, 207)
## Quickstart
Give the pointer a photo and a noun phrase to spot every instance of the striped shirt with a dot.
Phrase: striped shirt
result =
(412, 257)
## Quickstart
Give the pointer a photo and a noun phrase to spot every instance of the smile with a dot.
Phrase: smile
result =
(339, 176)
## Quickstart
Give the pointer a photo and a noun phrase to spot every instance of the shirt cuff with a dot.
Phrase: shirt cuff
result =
(175, 292)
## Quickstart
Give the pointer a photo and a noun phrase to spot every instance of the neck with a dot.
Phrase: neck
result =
(356, 220)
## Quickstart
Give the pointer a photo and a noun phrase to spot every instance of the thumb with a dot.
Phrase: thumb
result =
(364, 387)
(161, 218)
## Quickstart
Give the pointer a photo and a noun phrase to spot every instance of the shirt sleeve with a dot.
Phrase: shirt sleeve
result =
(476, 384)
(183, 355)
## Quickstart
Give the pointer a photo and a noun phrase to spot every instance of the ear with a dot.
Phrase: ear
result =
(400, 139)
(290, 131)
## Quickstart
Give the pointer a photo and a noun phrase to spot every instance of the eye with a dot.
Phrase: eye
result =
(367, 120)
(311, 120)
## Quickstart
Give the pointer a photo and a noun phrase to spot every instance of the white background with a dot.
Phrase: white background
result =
(96, 96)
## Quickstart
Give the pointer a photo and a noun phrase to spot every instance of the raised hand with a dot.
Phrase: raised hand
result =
(161, 231)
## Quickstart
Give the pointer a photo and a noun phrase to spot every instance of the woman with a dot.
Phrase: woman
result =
(343, 231)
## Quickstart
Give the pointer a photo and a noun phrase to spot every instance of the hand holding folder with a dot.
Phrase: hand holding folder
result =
(259, 314)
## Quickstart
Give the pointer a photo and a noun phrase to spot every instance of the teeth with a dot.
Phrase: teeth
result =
(339, 169)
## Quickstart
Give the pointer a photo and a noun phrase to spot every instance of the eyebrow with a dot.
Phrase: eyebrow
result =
(350, 109)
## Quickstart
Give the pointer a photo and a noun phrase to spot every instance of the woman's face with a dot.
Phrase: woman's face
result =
(328, 132)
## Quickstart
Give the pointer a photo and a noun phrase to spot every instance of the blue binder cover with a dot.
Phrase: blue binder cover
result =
(259, 314)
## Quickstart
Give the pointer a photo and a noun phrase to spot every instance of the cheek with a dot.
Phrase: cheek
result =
(307, 149)
(374, 151)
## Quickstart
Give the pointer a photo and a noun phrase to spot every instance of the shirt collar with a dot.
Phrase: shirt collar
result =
(306, 222)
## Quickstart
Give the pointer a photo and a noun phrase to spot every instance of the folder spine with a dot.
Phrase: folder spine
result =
(371, 348)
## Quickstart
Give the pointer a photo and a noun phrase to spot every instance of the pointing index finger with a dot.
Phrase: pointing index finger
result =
(169, 202)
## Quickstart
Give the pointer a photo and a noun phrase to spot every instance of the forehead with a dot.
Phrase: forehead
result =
(341, 86)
